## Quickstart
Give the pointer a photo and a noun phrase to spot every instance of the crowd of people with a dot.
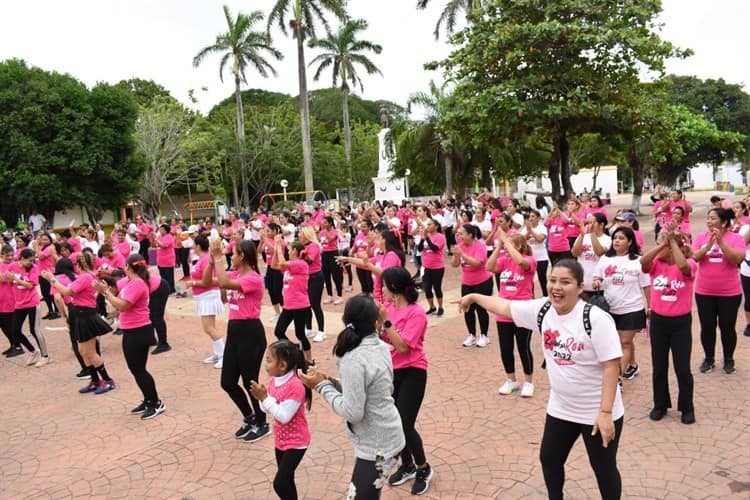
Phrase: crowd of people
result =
(534, 268)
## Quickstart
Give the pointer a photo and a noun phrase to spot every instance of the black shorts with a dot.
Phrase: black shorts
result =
(630, 321)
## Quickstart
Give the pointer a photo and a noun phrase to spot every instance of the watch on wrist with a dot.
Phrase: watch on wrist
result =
(387, 324)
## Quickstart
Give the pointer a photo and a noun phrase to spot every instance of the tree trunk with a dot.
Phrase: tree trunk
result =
(347, 138)
(240, 138)
(554, 175)
(565, 165)
(636, 166)
(304, 108)
(448, 157)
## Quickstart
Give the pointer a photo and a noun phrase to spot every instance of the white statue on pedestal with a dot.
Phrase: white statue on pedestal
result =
(387, 188)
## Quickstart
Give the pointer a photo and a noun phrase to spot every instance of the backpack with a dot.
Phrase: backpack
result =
(586, 316)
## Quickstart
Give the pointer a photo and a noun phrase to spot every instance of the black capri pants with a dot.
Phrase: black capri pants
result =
(722, 310)
(243, 356)
(432, 279)
(287, 462)
(408, 392)
(671, 334)
(507, 332)
(157, 304)
(365, 280)
(331, 269)
(275, 284)
(476, 311)
(315, 294)
(135, 345)
(299, 317)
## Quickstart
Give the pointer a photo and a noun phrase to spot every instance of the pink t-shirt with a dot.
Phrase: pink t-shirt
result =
(25, 298)
(154, 282)
(433, 259)
(411, 323)
(144, 231)
(572, 230)
(295, 285)
(312, 250)
(84, 294)
(245, 303)
(165, 257)
(471, 275)
(716, 275)
(296, 432)
(75, 245)
(390, 259)
(671, 291)
(557, 235)
(684, 204)
(639, 239)
(197, 274)
(515, 281)
(7, 302)
(137, 293)
(123, 247)
(329, 240)
(114, 261)
(664, 216)
(65, 281)
(44, 260)
(361, 245)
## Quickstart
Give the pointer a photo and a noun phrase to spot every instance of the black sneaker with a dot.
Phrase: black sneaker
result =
(657, 414)
(141, 408)
(153, 410)
(258, 433)
(17, 351)
(422, 481)
(7, 351)
(162, 348)
(687, 418)
(83, 374)
(707, 366)
(403, 474)
(431, 310)
(729, 366)
(631, 372)
(54, 315)
(248, 425)
(440, 311)
(117, 332)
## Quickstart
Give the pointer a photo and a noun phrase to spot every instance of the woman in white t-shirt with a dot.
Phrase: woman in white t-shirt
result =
(583, 362)
(536, 235)
(627, 290)
(589, 246)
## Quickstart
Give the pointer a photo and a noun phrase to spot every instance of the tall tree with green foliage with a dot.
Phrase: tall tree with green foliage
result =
(451, 12)
(343, 52)
(302, 24)
(557, 69)
(243, 48)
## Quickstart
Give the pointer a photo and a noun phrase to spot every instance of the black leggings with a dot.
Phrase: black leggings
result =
(243, 355)
(6, 325)
(143, 249)
(365, 280)
(287, 462)
(331, 269)
(557, 441)
(315, 293)
(408, 392)
(44, 285)
(157, 304)
(555, 257)
(167, 274)
(298, 316)
(476, 310)
(711, 308)
(275, 285)
(19, 316)
(541, 273)
(364, 476)
(182, 257)
(432, 279)
(507, 332)
(135, 345)
(671, 334)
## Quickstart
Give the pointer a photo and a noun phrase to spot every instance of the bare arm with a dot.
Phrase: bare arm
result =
(495, 305)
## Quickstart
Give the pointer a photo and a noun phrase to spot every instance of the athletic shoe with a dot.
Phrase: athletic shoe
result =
(16, 351)
(248, 425)
(631, 372)
(211, 360)
(275, 318)
(338, 301)
(310, 333)
(657, 414)
(44, 360)
(33, 358)
(729, 366)
(471, 340)
(422, 481)
(328, 300)
(509, 387)
(162, 348)
(88, 388)
(527, 390)
(219, 364)
(258, 433)
(707, 366)
(320, 336)
(440, 311)
(54, 315)
(83, 374)
(483, 341)
(118, 331)
(139, 409)
(153, 410)
(104, 386)
(47, 316)
(403, 474)
(430, 311)
(687, 418)
(7, 351)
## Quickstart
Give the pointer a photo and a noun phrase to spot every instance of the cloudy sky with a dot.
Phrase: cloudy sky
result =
(111, 40)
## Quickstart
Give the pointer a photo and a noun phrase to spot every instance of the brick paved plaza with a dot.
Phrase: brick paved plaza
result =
(56, 443)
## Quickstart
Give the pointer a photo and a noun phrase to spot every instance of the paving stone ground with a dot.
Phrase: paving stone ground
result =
(56, 443)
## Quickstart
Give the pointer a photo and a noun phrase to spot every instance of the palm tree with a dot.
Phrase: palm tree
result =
(244, 48)
(431, 136)
(302, 24)
(451, 11)
(343, 51)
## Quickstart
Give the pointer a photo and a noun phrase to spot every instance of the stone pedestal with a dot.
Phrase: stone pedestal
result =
(389, 189)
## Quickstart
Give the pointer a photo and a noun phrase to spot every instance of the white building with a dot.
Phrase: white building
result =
(705, 177)
(584, 179)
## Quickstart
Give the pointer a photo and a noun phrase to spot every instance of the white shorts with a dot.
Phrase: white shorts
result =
(209, 303)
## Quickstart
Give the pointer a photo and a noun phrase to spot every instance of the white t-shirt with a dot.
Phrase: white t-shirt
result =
(36, 222)
(744, 268)
(485, 227)
(573, 358)
(538, 248)
(588, 258)
(622, 282)
(291, 229)
(517, 219)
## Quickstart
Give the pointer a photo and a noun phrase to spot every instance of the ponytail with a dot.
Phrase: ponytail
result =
(139, 267)
(360, 315)
(292, 354)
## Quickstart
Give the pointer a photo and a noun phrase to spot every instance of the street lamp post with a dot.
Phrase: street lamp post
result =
(284, 184)
(406, 180)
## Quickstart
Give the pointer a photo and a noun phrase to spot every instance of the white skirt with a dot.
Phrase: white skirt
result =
(209, 303)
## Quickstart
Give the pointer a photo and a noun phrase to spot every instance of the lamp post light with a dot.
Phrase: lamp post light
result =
(284, 184)
(406, 179)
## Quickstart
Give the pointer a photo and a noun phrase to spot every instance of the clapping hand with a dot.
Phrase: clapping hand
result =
(216, 251)
(258, 391)
(312, 378)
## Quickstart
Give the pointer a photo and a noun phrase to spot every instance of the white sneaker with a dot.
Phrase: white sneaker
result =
(527, 390)
(338, 301)
(43, 361)
(275, 318)
(211, 360)
(309, 333)
(328, 300)
(220, 363)
(470, 341)
(483, 341)
(509, 387)
(320, 336)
